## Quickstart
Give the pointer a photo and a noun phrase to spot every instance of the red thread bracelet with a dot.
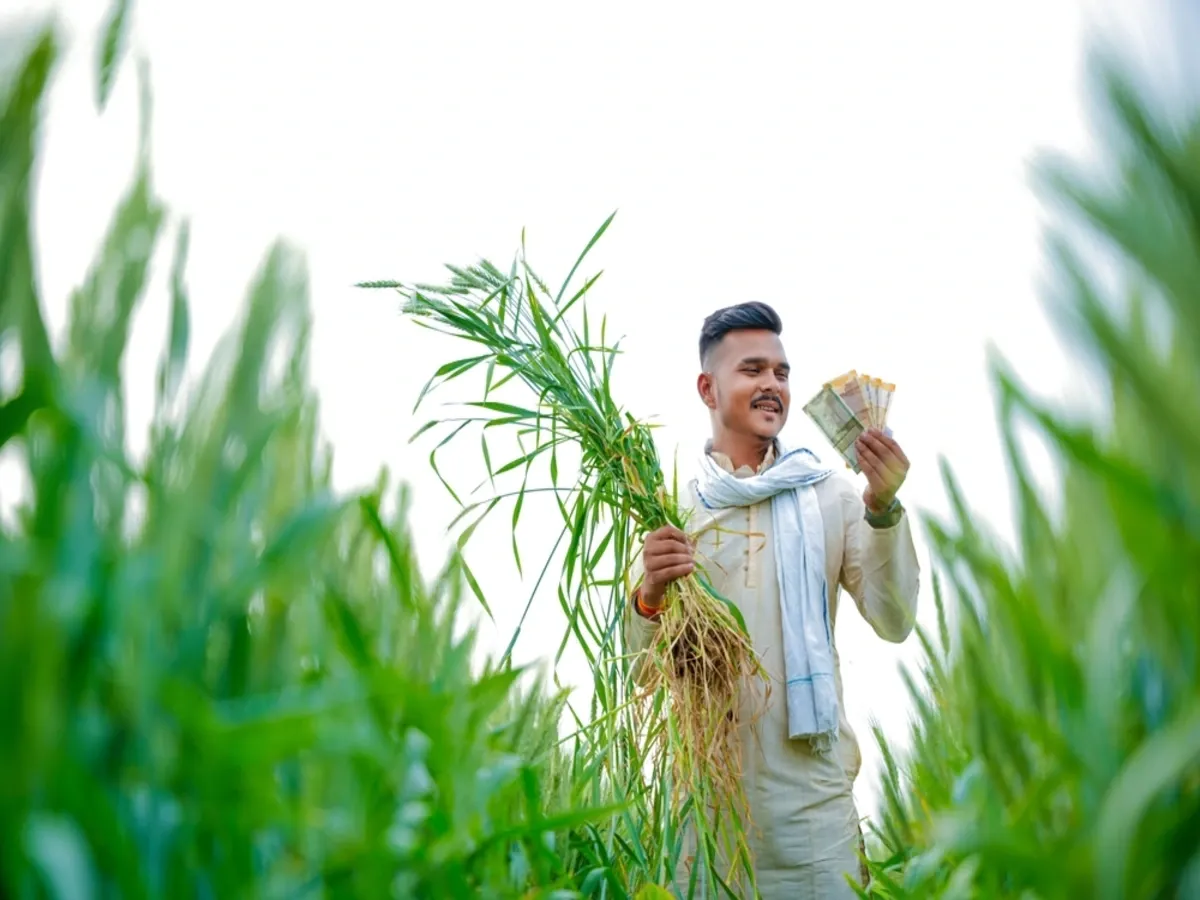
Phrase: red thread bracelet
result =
(642, 608)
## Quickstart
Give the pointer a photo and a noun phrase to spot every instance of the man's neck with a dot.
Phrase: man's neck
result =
(742, 451)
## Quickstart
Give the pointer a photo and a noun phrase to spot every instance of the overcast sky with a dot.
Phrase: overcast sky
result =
(863, 167)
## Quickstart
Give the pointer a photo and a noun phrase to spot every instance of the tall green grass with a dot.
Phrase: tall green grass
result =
(218, 678)
(1056, 742)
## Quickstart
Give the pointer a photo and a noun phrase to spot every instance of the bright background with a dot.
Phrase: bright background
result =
(863, 167)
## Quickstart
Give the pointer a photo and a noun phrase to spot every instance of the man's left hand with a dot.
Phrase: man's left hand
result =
(884, 464)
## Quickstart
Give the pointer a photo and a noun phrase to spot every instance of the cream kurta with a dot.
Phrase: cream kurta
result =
(807, 833)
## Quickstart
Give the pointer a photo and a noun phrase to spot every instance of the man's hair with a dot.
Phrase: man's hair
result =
(751, 316)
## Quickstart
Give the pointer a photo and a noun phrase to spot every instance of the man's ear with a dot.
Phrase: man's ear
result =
(707, 390)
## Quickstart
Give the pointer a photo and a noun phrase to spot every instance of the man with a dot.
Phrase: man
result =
(798, 774)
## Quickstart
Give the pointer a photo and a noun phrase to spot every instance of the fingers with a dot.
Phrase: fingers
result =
(870, 468)
(881, 478)
(667, 547)
(891, 446)
(671, 573)
(668, 555)
(674, 560)
(884, 452)
(666, 533)
(665, 541)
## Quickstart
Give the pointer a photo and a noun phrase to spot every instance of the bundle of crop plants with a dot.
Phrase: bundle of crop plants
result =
(703, 657)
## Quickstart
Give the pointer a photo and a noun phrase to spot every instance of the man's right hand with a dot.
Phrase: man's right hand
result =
(666, 556)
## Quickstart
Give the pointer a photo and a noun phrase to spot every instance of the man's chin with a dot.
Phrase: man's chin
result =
(767, 434)
(767, 426)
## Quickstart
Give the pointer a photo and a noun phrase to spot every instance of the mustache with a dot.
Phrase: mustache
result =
(768, 398)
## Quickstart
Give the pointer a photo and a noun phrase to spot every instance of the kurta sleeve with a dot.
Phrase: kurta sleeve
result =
(879, 569)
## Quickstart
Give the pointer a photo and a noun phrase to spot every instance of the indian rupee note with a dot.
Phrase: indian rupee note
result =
(886, 390)
(867, 384)
(837, 422)
(849, 388)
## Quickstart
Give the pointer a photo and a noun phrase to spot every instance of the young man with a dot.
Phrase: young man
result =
(778, 534)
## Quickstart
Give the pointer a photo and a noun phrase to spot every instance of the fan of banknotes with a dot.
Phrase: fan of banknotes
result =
(849, 405)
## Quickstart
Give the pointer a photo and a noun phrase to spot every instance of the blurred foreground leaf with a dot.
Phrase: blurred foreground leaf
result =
(1056, 751)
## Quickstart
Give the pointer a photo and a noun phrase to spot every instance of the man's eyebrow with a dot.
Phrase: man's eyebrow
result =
(763, 361)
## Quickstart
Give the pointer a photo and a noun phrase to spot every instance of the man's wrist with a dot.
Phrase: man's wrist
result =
(644, 610)
(886, 517)
(875, 504)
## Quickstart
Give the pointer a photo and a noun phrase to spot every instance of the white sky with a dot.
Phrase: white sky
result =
(860, 166)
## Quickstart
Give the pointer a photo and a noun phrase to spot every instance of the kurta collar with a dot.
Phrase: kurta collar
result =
(744, 471)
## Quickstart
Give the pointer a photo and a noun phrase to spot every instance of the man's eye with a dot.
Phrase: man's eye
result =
(783, 376)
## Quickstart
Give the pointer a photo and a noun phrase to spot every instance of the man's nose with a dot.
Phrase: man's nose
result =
(769, 384)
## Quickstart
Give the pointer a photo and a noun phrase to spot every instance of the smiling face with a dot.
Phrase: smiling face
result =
(745, 385)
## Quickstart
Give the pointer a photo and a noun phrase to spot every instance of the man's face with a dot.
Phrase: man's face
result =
(746, 384)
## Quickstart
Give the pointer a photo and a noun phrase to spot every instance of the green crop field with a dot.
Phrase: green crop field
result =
(220, 678)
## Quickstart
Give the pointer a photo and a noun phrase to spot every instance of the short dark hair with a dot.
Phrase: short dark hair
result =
(750, 316)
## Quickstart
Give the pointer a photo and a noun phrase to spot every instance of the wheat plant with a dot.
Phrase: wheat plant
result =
(1056, 736)
(217, 677)
(681, 717)
(682, 720)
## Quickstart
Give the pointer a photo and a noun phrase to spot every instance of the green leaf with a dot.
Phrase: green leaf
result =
(112, 47)
(506, 408)
(516, 517)
(400, 563)
(487, 459)
(586, 250)
(733, 610)
(1164, 760)
(170, 370)
(476, 590)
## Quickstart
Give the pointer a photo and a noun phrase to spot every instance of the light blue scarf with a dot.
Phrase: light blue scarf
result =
(812, 703)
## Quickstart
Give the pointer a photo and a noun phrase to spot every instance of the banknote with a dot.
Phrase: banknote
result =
(849, 405)
(879, 399)
(837, 422)
(867, 397)
(854, 391)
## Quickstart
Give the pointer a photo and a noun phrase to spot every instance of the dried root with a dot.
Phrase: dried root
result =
(704, 660)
